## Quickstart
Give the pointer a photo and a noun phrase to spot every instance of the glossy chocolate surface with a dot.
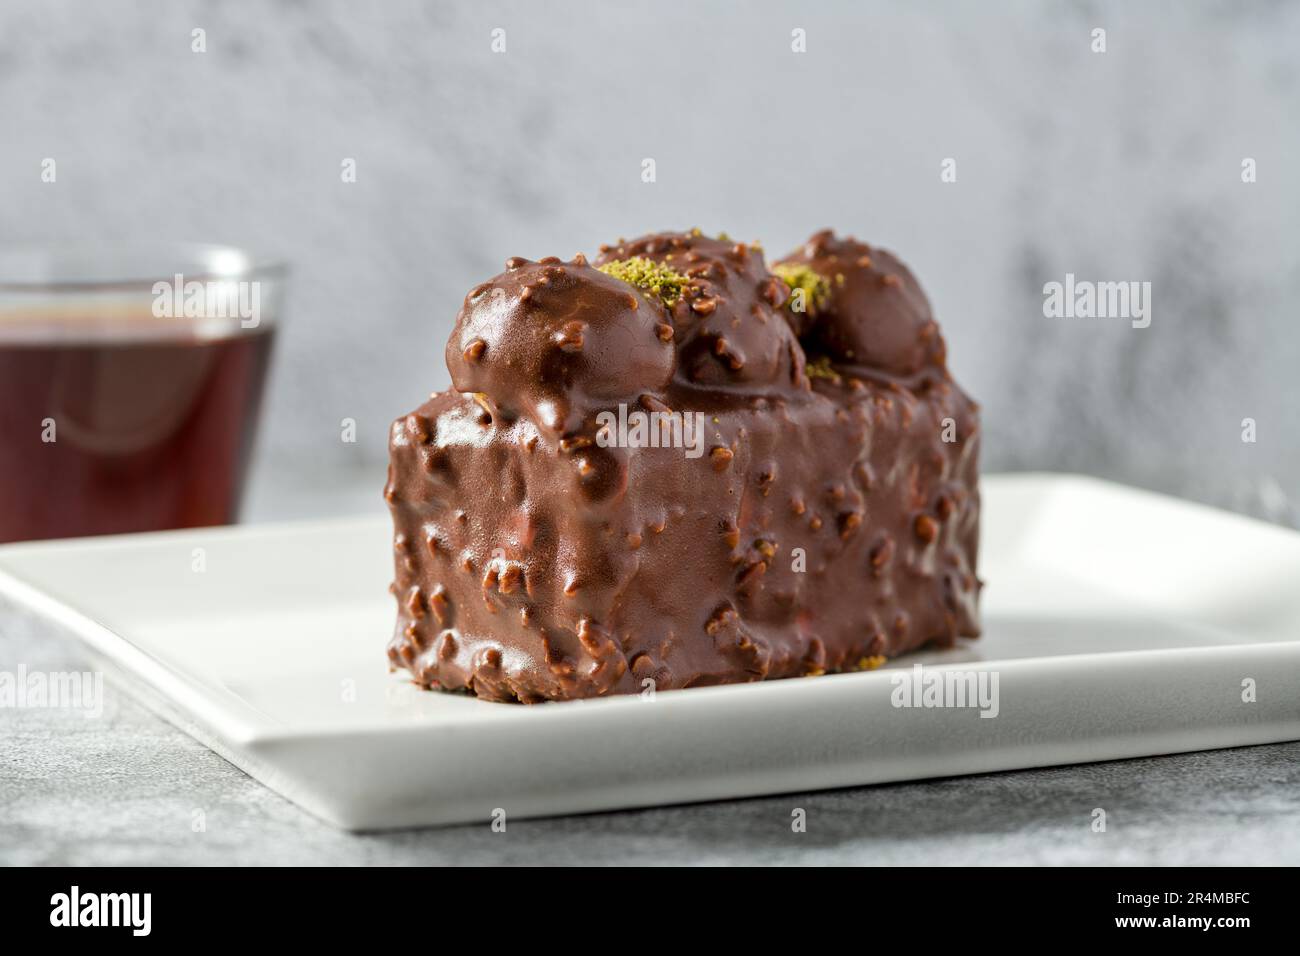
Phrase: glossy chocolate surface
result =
(823, 515)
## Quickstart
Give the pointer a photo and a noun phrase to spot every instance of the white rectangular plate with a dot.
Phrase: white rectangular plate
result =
(1119, 624)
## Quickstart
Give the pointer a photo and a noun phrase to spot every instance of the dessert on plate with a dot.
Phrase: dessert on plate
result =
(673, 466)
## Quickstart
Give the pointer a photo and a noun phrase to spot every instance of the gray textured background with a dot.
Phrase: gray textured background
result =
(1122, 165)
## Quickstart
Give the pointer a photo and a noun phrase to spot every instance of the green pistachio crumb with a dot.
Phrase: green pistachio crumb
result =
(820, 367)
(653, 277)
(816, 288)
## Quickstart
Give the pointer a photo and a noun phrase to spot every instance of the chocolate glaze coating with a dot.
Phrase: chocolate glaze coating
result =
(829, 522)
(549, 339)
(728, 324)
(875, 316)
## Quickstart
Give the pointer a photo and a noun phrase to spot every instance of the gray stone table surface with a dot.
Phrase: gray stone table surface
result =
(124, 789)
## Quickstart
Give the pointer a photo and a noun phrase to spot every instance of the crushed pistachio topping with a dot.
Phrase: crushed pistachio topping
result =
(816, 287)
(820, 367)
(656, 278)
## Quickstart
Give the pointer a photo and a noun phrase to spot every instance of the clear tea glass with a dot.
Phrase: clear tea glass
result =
(131, 378)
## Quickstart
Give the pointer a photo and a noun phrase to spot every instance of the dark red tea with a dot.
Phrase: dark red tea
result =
(125, 426)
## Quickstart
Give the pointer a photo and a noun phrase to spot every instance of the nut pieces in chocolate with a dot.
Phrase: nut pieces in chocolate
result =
(676, 467)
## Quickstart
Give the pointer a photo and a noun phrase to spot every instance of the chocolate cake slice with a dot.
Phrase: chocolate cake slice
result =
(673, 468)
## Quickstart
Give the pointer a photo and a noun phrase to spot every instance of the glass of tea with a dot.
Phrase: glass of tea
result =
(130, 381)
